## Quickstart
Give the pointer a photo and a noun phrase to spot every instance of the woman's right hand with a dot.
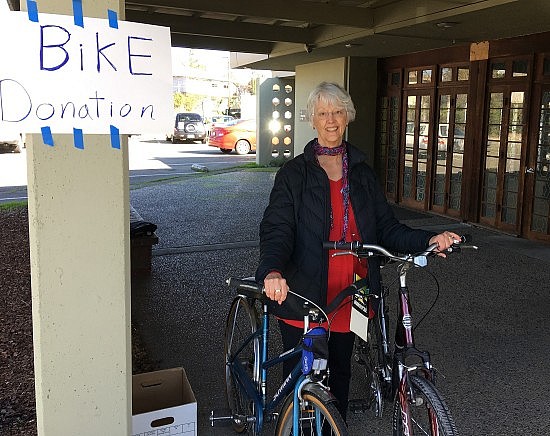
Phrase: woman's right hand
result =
(275, 287)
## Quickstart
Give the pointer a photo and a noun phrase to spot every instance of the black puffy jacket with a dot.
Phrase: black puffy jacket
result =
(297, 221)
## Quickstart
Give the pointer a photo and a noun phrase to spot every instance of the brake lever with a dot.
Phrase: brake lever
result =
(345, 253)
(458, 245)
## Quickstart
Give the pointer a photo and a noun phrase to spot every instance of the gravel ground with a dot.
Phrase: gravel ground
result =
(17, 409)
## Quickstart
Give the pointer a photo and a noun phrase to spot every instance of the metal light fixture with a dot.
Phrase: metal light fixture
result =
(446, 24)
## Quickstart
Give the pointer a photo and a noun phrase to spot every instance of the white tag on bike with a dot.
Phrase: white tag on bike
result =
(359, 320)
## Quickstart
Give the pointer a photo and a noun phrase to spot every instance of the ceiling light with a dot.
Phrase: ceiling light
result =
(446, 24)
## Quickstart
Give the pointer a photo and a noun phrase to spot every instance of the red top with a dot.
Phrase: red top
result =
(341, 269)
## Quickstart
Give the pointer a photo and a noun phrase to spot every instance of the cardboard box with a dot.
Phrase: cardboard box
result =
(163, 403)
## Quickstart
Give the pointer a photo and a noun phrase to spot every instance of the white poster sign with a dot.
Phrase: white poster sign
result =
(63, 76)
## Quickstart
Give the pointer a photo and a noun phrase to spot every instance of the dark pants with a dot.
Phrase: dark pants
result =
(340, 346)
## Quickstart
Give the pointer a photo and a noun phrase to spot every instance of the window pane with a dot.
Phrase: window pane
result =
(462, 101)
(463, 74)
(491, 165)
(426, 76)
(444, 108)
(498, 70)
(411, 108)
(446, 74)
(493, 132)
(493, 148)
(497, 100)
(395, 79)
(516, 99)
(460, 129)
(413, 77)
(425, 108)
(519, 68)
(516, 116)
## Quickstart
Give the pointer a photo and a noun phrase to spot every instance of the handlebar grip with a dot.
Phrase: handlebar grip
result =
(249, 287)
(339, 245)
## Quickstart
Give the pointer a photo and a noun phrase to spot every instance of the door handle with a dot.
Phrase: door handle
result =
(529, 170)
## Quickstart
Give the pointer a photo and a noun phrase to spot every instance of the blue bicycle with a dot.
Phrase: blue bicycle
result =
(308, 406)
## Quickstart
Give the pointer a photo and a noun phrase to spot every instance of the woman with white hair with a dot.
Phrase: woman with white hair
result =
(328, 193)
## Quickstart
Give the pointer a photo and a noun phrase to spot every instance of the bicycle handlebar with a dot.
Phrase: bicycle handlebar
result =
(252, 289)
(368, 250)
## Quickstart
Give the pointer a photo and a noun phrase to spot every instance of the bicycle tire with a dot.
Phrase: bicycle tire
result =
(331, 420)
(428, 399)
(242, 321)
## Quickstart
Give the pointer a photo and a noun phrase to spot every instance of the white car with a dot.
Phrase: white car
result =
(12, 141)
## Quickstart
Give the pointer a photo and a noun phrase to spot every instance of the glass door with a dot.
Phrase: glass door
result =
(504, 153)
(540, 219)
(448, 152)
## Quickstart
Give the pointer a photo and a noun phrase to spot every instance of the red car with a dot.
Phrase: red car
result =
(238, 135)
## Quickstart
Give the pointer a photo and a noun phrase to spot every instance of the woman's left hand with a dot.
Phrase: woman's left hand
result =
(444, 241)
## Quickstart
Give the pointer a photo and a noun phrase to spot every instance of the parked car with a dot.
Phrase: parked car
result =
(188, 126)
(12, 142)
(238, 135)
(221, 120)
(217, 121)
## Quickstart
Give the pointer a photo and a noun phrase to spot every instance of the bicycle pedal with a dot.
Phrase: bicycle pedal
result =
(221, 418)
(359, 405)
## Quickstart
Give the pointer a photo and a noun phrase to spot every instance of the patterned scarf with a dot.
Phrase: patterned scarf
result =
(334, 151)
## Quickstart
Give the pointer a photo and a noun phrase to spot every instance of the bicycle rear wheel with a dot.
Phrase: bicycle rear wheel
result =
(314, 413)
(429, 414)
(242, 322)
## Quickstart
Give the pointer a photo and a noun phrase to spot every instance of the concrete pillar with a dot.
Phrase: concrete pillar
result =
(80, 263)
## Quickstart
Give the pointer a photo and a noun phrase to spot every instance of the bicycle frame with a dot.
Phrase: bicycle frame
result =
(404, 349)
(256, 389)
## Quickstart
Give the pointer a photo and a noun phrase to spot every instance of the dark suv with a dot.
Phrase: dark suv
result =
(188, 127)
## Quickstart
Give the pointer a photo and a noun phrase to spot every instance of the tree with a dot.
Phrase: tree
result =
(188, 102)
(178, 100)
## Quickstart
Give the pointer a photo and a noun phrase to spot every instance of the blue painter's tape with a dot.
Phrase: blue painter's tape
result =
(115, 138)
(77, 13)
(113, 18)
(47, 137)
(78, 139)
(32, 11)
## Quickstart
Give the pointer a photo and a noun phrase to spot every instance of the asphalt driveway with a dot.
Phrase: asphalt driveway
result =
(487, 333)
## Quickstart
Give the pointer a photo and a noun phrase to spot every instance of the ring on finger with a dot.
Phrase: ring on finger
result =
(277, 291)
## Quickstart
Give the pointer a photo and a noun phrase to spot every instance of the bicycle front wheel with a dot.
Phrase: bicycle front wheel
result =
(242, 323)
(429, 414)
(315, 414)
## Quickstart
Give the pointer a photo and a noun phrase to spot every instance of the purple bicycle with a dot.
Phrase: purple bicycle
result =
(405, 376)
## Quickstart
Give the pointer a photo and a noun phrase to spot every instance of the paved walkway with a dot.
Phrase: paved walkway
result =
(488, 332)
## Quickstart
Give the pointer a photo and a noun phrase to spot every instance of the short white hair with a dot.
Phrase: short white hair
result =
(330, 93)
